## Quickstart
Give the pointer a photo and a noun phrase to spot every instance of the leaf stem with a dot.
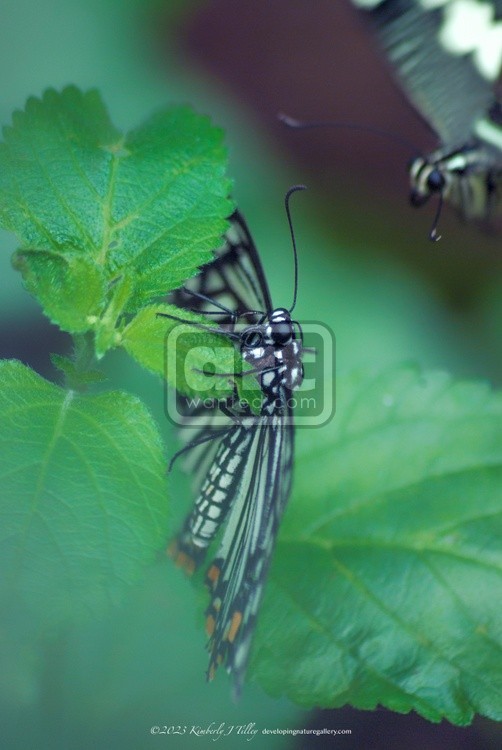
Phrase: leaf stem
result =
(84, 353)
(84, 357)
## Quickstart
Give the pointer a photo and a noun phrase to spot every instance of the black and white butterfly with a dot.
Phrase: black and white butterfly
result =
(242, 470)
(447, 55)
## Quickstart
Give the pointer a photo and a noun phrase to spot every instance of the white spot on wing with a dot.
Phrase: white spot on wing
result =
(208, 528)
(469, 27)
(225, 481)
(233, 463)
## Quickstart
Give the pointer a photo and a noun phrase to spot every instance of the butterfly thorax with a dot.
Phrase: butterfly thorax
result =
(273, 350)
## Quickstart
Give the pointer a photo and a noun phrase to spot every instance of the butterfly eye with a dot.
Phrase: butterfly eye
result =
(252, 339)
(435, 181)
(281, 333)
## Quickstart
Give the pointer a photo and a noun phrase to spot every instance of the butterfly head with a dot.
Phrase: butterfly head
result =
(279, 330)
(276, 330)
(427, 178)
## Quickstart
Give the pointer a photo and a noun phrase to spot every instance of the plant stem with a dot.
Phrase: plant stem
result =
(84, 353)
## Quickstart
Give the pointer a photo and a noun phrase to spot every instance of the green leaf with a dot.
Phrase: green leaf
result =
(84, 503)
(55, 167)
(181, 353)
(146, 207)
(194, 361)
(387, 578)
(71, 288)
(170, 201)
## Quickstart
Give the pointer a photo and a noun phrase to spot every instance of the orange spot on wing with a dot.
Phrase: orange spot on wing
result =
(186, 562)
(210, 625)
(181, 559)
(213, 574)
(234, 626)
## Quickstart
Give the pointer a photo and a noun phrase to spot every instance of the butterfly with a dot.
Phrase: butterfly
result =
(242, 469)
(447, 55)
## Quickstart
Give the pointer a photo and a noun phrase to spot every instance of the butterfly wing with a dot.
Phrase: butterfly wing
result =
(236, 577)
(243, 476)
(230, 286)
(423, 41)
(234, 282)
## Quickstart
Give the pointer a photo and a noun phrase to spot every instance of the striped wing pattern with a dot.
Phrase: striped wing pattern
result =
(234, 280)
(241, 472)
(237, 575)
(449, 90)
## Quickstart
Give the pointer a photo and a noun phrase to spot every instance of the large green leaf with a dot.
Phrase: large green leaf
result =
(84, 499)
(146, 208)
(387, 578)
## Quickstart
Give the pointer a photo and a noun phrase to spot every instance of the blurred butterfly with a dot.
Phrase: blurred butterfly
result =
(242, 469)
(447, 55)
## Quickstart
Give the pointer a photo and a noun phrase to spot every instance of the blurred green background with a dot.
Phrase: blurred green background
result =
(366, 269)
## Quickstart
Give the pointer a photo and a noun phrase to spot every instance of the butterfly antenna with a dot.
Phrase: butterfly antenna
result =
(291, 122)
(290, 192)
(433, 234)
